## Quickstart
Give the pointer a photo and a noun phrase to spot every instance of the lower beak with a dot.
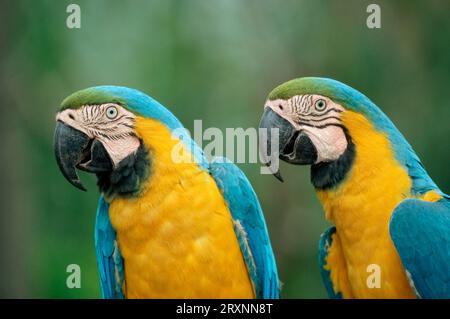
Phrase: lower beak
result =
(74, 149)
(294, 146)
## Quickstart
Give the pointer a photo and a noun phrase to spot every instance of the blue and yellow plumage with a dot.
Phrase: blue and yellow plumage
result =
(192, 229)
(386, 209)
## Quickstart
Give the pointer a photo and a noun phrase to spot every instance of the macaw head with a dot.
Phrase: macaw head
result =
(324, 123)
(101, 130)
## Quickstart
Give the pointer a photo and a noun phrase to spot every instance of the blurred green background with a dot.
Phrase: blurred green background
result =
(210, 60)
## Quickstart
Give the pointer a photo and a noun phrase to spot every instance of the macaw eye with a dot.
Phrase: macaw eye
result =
(111, 112)
(320, 105)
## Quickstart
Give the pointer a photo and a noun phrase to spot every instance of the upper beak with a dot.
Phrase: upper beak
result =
(294, 146)
(74, 149)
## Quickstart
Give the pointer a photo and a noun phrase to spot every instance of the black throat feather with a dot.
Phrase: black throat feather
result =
(127, 178)
(328, 175)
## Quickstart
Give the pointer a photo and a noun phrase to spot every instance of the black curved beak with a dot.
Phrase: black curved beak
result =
(74, 149)
(294, 146)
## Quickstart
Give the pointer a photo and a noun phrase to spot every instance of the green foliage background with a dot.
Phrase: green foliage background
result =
(211, 60)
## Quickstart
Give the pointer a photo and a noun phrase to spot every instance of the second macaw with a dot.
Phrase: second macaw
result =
(391, 220)
(169, 223)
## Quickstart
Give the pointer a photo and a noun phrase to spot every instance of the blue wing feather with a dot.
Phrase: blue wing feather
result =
(109, 259)
(420, 231)
(324, 245)
(250, 226)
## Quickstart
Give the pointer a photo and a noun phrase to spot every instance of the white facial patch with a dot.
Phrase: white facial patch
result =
(110, 124)
(320, 118)
(330, 142)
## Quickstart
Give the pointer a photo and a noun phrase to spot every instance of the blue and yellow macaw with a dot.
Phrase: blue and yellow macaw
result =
(391, 220)
(169, 223)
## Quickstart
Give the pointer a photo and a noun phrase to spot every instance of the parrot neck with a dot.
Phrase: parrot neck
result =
(403, 152)
(326, 175)
(374, 173)
(172, 159)
(126, 179)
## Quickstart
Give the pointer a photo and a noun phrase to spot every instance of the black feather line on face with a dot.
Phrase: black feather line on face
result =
(326, 112)
(328, 175)
(321, 119)
(319, 126)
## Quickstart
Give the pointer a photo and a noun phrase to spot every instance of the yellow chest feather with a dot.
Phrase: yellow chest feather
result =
(177, 237)
(361, 208)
